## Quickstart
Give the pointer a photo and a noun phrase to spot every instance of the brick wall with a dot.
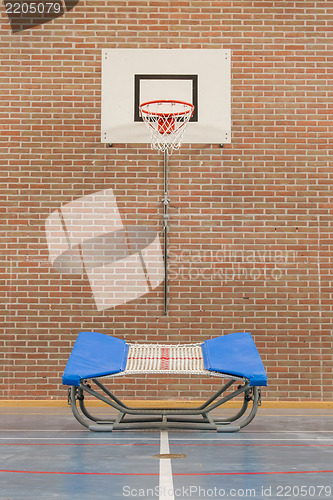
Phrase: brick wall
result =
(250, 224)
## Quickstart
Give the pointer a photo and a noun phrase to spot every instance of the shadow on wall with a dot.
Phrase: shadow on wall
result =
(87, 237)
(27, 14)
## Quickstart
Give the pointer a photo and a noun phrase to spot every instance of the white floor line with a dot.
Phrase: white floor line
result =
(84, 432)
(182, 439)
(166, 481)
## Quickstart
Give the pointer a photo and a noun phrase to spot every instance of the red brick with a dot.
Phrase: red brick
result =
(267, 190)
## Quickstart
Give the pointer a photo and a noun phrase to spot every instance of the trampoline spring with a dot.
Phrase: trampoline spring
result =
(79, 396)
(249, 395)
(259, 397)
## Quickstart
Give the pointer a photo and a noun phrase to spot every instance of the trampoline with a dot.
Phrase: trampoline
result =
(233, 357)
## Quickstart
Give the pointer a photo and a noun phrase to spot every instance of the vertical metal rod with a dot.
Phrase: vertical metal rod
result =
(165, 228)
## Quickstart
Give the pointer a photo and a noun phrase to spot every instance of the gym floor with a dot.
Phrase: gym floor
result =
(283, 453)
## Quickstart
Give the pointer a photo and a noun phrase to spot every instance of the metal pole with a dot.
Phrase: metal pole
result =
(165, 229)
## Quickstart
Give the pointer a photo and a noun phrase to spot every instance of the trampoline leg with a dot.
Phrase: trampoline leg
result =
(256, 402)
(73, 393)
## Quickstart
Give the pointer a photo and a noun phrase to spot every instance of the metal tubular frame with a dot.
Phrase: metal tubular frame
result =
(161, 417)
(165, 230)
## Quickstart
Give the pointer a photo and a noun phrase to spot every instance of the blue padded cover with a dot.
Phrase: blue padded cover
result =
(95, 355)
(235, 354)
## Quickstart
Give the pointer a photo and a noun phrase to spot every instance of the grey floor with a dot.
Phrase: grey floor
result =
(46, 454)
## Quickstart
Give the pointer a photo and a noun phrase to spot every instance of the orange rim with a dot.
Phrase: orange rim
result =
(180, 113)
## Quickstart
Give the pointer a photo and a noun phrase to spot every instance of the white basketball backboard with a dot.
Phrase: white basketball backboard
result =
(133, 76)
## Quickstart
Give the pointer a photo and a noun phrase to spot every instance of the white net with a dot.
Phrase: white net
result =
(166, 122)
(158, 358)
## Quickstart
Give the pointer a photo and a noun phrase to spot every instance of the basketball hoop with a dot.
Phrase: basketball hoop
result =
(166, 122)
